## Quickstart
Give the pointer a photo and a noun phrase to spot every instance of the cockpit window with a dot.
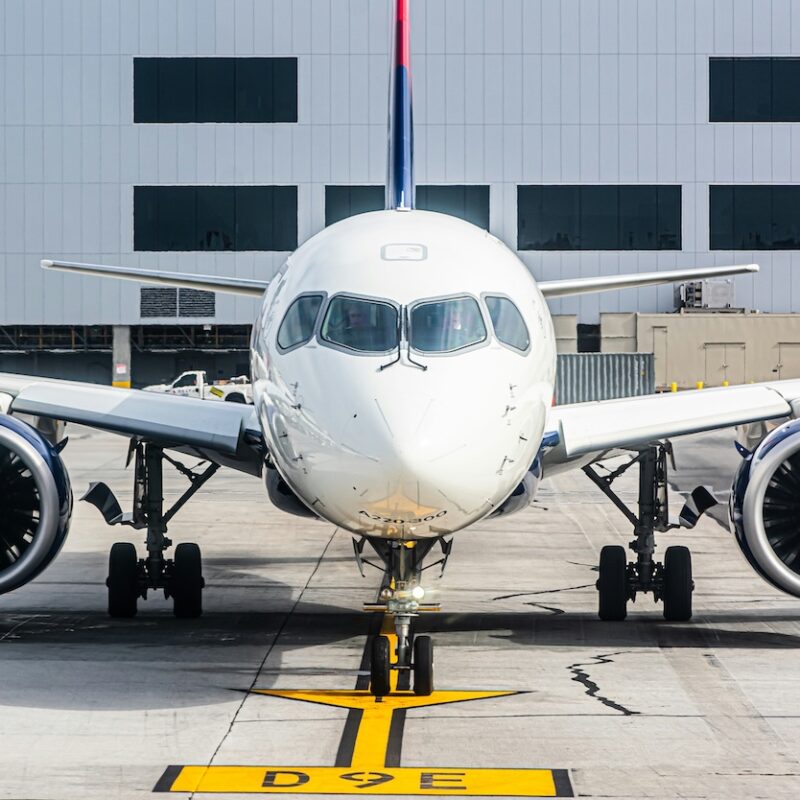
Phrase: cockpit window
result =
(442, 326)
(367, 326)
(509, 327)
(300, 320)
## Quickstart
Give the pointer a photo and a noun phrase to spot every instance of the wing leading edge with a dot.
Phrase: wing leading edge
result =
(608, 283)
(227, 433)
(210, 283)
(585, 430)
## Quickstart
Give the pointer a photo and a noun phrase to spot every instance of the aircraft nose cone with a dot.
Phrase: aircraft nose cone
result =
(426, 459)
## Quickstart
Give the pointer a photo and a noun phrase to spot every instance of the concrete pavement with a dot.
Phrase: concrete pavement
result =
(93, 707)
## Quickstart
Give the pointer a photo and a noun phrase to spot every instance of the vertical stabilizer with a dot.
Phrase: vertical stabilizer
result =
(400, 182)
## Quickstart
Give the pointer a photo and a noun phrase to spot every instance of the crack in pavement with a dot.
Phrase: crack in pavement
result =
(555, 610)
(543, 591)
(592, 689)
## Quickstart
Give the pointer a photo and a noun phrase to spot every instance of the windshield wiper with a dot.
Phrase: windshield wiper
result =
(423, 367)
(402, 319)
(399, 343)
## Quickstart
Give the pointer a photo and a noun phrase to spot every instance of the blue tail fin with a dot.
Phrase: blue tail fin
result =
(400, 182)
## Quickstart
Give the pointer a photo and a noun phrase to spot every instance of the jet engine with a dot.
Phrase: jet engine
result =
(282, 496)
(35, 503)
(765, 508)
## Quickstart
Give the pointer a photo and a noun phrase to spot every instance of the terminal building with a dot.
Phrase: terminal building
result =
(215, 136)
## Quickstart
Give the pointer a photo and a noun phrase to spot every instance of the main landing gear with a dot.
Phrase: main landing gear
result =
(401, 597)
(671, 581)
(130, 577)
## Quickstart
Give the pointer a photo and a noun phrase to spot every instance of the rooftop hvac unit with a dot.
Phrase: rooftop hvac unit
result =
(711, 293)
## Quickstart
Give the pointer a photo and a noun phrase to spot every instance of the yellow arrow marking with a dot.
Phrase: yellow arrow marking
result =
(372, 739)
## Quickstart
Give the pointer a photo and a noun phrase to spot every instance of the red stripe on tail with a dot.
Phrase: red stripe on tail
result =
(403, 35)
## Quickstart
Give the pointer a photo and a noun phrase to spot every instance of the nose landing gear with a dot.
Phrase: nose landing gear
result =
(401, 599)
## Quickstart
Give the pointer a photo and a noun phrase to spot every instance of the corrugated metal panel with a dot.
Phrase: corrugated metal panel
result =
(582, 377)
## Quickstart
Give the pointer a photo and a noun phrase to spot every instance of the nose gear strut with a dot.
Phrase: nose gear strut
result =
(401, 597)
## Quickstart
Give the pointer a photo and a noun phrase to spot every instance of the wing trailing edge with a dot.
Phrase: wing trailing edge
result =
(209, 283)
(608, 283)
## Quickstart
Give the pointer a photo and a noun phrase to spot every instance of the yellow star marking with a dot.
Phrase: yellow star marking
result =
(373, 732)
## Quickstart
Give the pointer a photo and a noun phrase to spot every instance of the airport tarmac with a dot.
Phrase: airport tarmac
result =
(535, 694)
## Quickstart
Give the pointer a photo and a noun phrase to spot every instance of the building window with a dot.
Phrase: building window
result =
(470, 203)
(342, 202)
(754, 217)
(160, 302)
(754, 90)
(215, 218)
(599, 217)
(214, 90)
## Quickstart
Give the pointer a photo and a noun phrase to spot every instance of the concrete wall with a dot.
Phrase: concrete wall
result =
(713, 348)
(506, 92)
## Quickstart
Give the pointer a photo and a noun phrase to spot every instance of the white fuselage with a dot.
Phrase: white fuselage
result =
(403, 452)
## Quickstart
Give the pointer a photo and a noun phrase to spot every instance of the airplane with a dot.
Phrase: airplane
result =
(403, 365)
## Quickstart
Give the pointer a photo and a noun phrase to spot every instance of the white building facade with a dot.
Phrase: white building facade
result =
(579, 131)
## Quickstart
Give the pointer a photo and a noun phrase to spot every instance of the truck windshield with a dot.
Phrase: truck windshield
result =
(442, 326)
(366, 326)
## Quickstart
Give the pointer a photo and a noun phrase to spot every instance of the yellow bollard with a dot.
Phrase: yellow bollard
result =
(725, 383)
(699, 385)
(673, 387)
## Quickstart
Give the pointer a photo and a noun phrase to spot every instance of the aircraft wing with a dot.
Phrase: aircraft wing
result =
(227, 433)
(581, 433)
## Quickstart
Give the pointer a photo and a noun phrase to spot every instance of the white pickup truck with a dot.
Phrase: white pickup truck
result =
(194, 383)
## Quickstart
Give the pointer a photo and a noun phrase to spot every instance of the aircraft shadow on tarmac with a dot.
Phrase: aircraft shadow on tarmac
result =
(59, 649)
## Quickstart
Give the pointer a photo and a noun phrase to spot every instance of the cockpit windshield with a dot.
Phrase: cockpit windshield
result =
(442, 326)
(367, 326)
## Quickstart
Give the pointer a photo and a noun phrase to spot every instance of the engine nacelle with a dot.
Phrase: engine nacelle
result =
(35, 503)
(765, 508)
(524, 494)
(282, 496)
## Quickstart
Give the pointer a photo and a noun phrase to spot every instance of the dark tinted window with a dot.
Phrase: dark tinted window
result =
(446, 325)
(755, 217)
(754, 90)
(368, 326)
(342, 202)
(215, 217)
(509, 327)
(215, 90)
(470, 203)
(599, 217)
(300, 320)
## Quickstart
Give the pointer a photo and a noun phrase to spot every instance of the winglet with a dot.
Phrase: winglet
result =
(400, 178)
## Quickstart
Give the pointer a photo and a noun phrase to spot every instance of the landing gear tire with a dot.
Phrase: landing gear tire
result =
(423, 666)
(123, 580)
(380, 667)
(678, 584)
(612, 584)
(187, 581)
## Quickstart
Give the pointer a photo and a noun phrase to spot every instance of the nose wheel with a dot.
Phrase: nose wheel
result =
(423, 666)
(381, 666)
